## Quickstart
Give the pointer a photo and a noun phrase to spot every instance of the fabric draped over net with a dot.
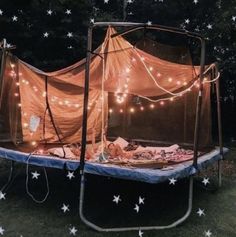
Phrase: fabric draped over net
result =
(111, 64)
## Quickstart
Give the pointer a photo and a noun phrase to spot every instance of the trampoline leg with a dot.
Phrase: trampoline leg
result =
(219, 173)
(9, 177)
(135, 228)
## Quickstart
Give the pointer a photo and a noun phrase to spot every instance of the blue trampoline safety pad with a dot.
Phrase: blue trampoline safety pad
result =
(147, 175)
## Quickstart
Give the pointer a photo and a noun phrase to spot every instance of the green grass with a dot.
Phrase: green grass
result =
(19, 215)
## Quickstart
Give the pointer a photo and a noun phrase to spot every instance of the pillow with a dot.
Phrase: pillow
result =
(121, 142)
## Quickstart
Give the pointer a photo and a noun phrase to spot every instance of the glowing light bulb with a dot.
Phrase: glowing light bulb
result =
(27, 82)
(132, 110)
(17, 83)
(141, 108)
(66, 102)
(76, 105)
(60, 103)
(162, 103)
(126, 85)
(178, 82)
(172, 99)
(19, 105)
(158, 74)
(185, 83)
(44, 94)
(110, 111)
(133, 60)
(152, 106)
(170, 79)
(33, 143)
(16, 94)
(12, 65)
(121, 111)
(127, 70)
(25, 125)
(20, 74)
(150, 68)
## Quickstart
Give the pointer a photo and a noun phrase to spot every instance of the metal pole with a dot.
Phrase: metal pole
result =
(219, 127)
(219, 112)
(199, 103)
(124, 9)
(136, 228)
(3, 66)
(86, 96)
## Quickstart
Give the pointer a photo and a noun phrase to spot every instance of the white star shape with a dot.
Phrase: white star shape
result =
(140, 233)
(130, 1)
(1, 12)
(116, 199)
(233, 18)
(35, 175)
(14, 18)
(149, 23)
(172, 181)
(65, 208)
(8, 45)
(68, 11)
(195, 1)
(73, 230)
(106, 1)
(209, 26)
(208, 233)
(187, 21)
(69, 34)
(1, 230)
(49, 12)
(45, 35)
(200, 212)
(2, 195)
(205, 181)
(70, 47)
(70, 175)
(92, 20)
(141, 200)
(136, 208)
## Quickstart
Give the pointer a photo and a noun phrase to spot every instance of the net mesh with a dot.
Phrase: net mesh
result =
(152, 88)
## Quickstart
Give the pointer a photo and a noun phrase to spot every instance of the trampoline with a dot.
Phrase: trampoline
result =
(148, 175)
(83, 114)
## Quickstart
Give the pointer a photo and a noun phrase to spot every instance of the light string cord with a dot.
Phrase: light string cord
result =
(27, 182)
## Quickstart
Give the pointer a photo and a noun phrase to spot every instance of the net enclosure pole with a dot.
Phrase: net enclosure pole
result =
(199, 104)
(219, 111)
(3, 66)
(219, 127)
(86, 96)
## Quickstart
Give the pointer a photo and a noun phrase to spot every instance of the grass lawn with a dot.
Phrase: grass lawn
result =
(20, 216)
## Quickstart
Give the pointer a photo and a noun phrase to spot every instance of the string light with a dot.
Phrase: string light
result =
(141, 108)
(110, 111)
(132, 110)
(121, 111)
(25, 125)
(152, 106)
(33, 143)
